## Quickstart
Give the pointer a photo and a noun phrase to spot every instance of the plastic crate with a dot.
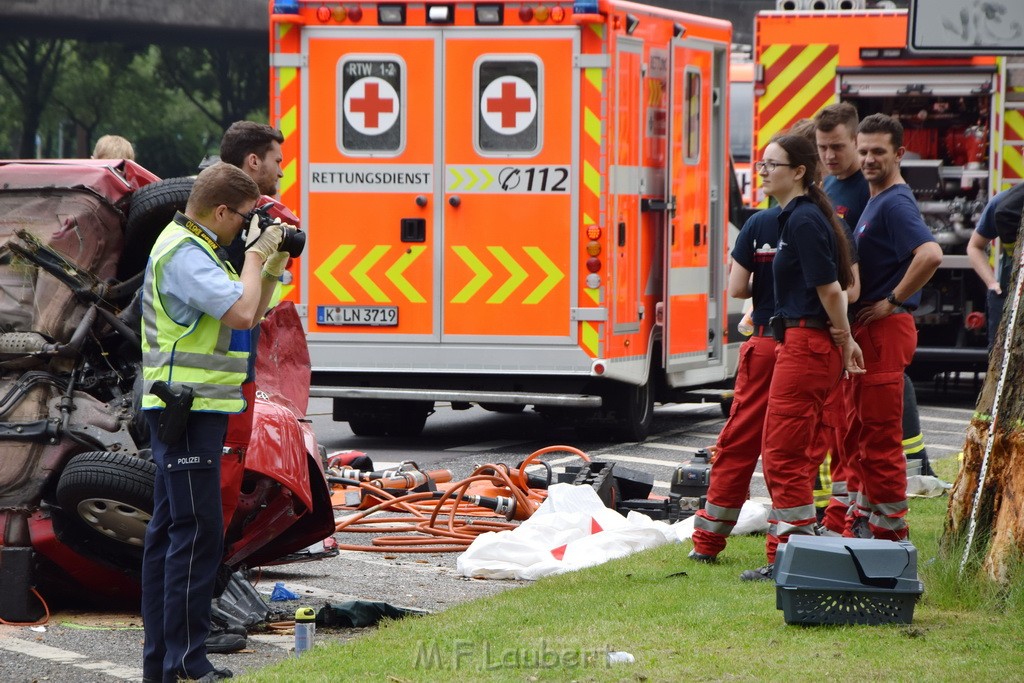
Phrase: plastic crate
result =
(826, 580)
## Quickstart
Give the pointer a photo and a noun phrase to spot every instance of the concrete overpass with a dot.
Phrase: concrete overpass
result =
(235, 22)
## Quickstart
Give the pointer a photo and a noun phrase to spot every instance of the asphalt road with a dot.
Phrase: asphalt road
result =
(79, 647)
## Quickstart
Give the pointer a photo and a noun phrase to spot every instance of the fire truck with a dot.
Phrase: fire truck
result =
(508, 204)
(964, 133)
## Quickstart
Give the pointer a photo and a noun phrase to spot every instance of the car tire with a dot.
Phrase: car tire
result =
(367, 426)
(152, 208)
(109, 497)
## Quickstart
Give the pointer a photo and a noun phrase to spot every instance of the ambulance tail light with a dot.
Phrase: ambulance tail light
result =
(598, 368)
(391, 15)
(323, 14)
(593, 264)
(490, 15)
(525, 14)
(355, 13)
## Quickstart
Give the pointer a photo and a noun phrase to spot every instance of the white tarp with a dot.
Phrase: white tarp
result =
(573, 529)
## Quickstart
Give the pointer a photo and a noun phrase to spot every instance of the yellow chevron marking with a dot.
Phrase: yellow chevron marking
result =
(471, 175)
(822, 80)
(793, 70)
(590, 338)
(1014, 121)
(323, 272)
(554, 275)
(594, 77)
(480, 274)
(487, 178)
(587, 220)
(515, 278)
(360, 276)
(394, 273)
(1012, 158)
(290, 175)
(598, 29)
(591, 178)
(592, 125)
(286, 291)
(458, 178)
(283, 30)
(288, 124)
(286, 76)
(594, 294)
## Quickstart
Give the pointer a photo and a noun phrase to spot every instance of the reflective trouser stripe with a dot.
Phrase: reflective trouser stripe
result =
(717, 520)
(914, 444)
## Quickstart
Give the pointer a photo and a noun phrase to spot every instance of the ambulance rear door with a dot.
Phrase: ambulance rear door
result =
(508, 208)
(694, 285)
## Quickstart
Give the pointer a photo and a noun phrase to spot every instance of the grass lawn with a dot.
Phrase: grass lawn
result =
(704, 624)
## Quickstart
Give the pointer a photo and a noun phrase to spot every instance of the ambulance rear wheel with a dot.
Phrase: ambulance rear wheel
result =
(635, 409)
(367, 426)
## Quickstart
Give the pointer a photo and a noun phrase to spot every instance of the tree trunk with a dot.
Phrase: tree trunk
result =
(999, 530)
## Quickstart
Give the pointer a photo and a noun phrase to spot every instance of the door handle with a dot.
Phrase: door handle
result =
(455, 200)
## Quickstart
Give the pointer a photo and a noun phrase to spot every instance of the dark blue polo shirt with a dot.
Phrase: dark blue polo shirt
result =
(755, 251)
(889, 230)
(805, 260)
(849, 195)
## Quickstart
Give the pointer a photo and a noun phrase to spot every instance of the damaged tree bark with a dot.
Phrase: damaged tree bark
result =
(998, 511)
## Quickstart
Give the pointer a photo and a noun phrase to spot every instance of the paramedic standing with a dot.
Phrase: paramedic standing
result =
(197, 317)
(739, 443)
(985, 234)
(812, 270)
(898, 255)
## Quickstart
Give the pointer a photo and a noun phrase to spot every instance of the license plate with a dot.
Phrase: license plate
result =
(373, 316)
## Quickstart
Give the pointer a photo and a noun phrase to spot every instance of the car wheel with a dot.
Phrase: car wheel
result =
(110, 496)
(152, 208)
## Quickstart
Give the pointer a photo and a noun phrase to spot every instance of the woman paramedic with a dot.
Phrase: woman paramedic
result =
(812, 269)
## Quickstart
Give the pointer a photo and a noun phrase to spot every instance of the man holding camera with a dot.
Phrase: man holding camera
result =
(198, 313)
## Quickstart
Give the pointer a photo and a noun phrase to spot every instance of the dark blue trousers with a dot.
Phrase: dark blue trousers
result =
(184, 546)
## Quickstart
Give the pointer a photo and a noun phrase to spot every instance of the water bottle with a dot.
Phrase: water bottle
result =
(746, 326)
(305, 629)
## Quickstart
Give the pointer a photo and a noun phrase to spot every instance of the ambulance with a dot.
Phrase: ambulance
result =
(508, 204)
(963, 117)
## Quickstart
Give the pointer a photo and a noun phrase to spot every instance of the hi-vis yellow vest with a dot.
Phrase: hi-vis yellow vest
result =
(208, 356)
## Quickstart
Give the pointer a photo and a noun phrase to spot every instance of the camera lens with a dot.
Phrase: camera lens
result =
(294, 241)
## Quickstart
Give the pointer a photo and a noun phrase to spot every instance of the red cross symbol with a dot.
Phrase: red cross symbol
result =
(371, 105)
(508, 105)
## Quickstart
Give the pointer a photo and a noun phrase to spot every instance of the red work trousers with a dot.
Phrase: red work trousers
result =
(808, 366)
(836, 422)
(738, 447)
(877, 430)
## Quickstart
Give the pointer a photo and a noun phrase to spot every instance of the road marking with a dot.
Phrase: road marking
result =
(75, 659)
(485, 446)
(947, 420)
(644, 461)
(671, 447)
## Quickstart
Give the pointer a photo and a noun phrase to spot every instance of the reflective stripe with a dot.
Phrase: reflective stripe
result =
(913, 445)
(807, 529)
(839, 489)
(890, 523)
(891, 509)
(724, 514)
(796, 514)
(716, 527)
(234, 362)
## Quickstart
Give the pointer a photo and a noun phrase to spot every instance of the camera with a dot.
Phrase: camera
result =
(293, 240)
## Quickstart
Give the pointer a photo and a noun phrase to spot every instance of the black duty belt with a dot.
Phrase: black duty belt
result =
(762, 331)
(813, 323)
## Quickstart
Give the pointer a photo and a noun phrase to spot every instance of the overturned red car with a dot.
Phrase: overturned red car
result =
(76, 475)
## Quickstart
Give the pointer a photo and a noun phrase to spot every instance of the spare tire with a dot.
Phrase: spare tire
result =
(152, 208)
(108, 497)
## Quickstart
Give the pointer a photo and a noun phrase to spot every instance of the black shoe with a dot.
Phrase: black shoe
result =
(762, 574)
(215, 675)
(860, 528)
(701, 557)
(225, 642)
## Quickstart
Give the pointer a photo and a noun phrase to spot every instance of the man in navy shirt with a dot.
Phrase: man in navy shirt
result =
(898, 255)
(836, 136)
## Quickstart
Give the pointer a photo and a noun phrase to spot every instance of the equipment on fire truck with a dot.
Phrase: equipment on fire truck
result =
(507, 205)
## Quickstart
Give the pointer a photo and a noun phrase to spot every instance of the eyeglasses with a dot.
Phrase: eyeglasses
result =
(769, 165)
(244, 216)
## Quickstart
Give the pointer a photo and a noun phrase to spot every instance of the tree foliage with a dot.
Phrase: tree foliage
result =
(172, 102)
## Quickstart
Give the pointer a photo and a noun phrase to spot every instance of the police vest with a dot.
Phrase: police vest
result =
(205, 355)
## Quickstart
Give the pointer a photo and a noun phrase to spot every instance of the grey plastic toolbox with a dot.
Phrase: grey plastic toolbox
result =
(828, 580)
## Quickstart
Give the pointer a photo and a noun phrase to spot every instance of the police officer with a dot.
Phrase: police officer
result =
(197, 317)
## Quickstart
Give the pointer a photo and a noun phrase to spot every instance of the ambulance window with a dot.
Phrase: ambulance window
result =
(372, 104)
(692, 104)
(741, 119)
(508, 106)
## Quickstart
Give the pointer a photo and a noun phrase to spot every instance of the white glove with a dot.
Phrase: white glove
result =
(276, 265)
(263, 241)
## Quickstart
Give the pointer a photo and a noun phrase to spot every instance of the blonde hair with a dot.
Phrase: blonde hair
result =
(113, 147)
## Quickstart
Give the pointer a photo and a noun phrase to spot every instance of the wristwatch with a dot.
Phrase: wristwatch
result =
(893, 300)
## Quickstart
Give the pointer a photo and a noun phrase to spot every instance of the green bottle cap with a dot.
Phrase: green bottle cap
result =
(305, 614)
